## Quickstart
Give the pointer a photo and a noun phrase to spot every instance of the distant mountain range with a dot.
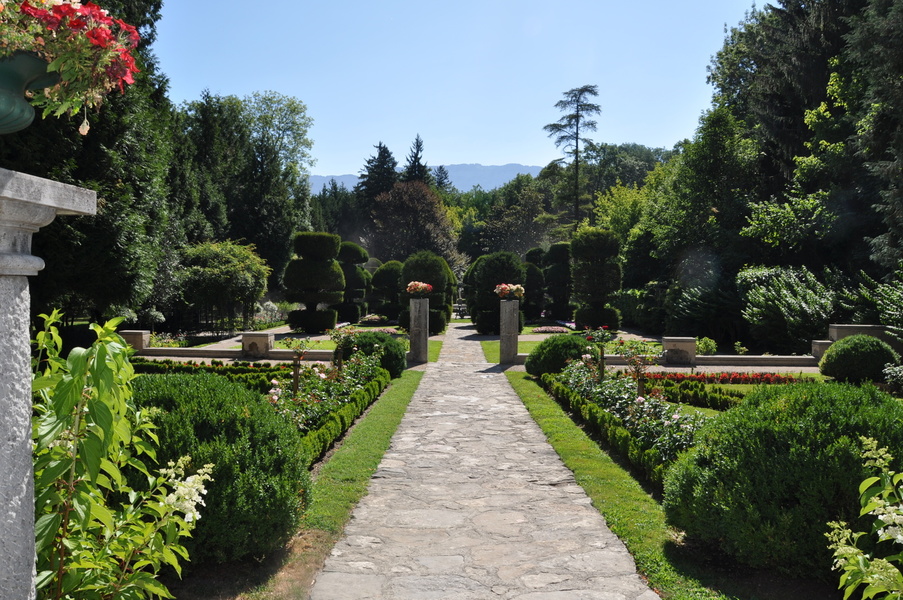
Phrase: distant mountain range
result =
(463, 177)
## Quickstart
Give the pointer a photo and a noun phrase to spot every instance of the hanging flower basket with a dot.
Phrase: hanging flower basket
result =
(88, 51)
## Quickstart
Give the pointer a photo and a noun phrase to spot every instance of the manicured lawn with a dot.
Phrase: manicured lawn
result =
(491, 349)
(311, 345)
(433, 349)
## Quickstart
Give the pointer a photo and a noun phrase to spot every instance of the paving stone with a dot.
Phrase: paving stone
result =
(470, 502)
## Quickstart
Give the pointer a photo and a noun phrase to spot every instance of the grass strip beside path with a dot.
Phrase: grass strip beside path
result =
(632, 514)
(343, 479)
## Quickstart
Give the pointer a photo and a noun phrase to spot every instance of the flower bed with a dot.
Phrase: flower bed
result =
(725, 378)
(647, 431)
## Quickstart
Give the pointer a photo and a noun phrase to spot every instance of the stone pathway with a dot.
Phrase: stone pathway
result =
(471, 503)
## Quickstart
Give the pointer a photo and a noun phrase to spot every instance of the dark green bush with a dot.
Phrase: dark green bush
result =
(317, 245)
(394, 358)
(557, 271)
(489, 271)
(552, 354)
(430, 268)
(534, 300)
(857, 358)
(313, 320)
(260, 480)
(764, 478)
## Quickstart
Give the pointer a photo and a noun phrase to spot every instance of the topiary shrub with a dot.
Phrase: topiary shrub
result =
(313, 278)
(595, 276)
(857, 358)
(765, 478)
(430, 268)
(557, 271)
(489, 271)
(260, 481)
(394, 358)
(386, 286)
(552, 354)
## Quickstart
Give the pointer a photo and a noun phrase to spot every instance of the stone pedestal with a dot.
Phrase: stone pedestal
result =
(26, 204)
(420, 329)
(509, 326)
(138, 339)
(257, 344)
(679, 351)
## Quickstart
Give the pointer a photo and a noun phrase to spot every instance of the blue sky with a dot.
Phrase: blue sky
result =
(477, 79)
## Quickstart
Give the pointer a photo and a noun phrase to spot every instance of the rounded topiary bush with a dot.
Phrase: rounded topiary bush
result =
(260, 481)
(764, 478)
(857, 358)
(552, 354)
(394, 358)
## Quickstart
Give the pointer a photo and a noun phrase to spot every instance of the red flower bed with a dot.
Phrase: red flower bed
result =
(724, 378)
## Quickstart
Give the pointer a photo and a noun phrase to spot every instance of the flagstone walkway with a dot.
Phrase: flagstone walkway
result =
(471, 503)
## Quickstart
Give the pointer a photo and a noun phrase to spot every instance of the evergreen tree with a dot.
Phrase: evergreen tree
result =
(415, 169)
(379, 175)
(569, 130)
(442, 179)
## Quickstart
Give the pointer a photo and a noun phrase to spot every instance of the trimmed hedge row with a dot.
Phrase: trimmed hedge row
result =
(318, 441)
(695, 393)
(609, 429)
(254, 376)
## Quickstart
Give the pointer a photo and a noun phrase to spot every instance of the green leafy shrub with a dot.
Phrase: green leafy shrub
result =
(857, 358)
(706, 346)
(260, 482)
(393, 359)
(552, 354)
(785, 308)
(764, 478)
(94, 530)
(313, 277)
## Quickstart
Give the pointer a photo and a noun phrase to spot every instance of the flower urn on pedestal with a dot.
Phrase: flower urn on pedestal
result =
(21, 72)
(509, 324)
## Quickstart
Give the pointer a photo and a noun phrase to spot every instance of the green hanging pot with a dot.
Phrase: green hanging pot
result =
(20, 72)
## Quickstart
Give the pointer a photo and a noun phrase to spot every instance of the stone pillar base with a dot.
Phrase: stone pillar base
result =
(679, 351)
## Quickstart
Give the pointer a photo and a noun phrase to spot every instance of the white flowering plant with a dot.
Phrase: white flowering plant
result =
(90, 50)
(881, 497)
(97, 534)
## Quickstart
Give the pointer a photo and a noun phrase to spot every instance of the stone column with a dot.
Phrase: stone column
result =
(509, 326)
(26, 204)
(420, 329)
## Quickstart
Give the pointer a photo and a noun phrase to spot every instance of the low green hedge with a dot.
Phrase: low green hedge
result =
(764, 478)
(318, 441)
(260, 480)
(696, 394)
(608, 429)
